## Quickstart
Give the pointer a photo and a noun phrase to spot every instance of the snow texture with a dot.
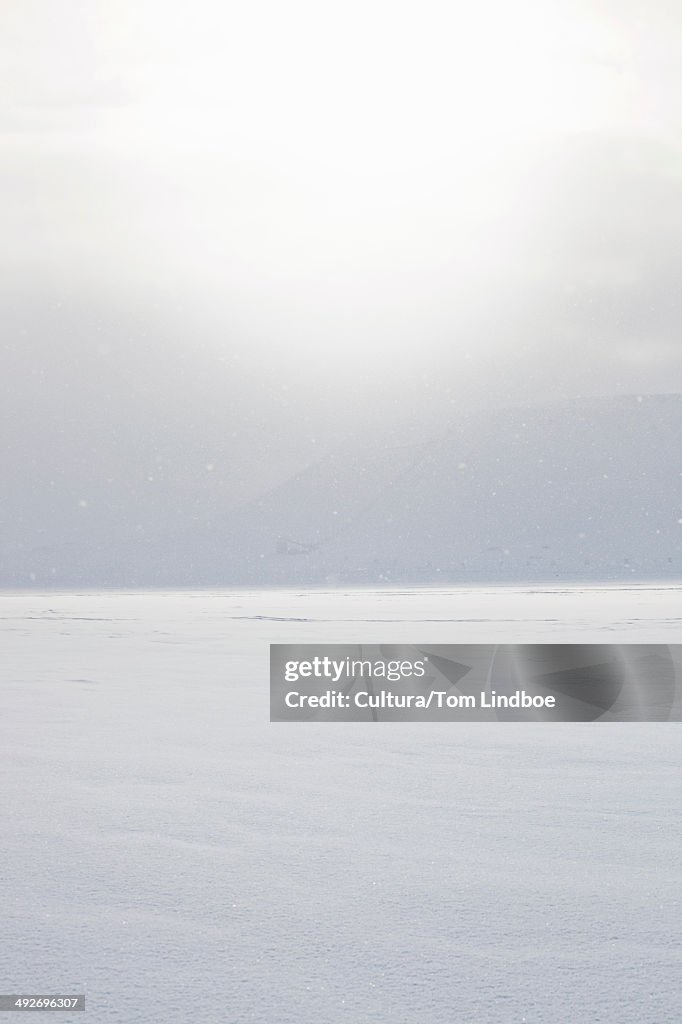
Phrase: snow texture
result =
(172, 854)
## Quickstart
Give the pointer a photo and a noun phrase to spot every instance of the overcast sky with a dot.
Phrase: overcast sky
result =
(299, 211)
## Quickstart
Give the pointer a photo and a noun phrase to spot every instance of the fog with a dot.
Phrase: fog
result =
(236, 237)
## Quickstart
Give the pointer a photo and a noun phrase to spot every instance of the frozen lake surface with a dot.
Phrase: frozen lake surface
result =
(171, 854)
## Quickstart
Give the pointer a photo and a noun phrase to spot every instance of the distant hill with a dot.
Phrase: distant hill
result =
(584, 490)
(588, 489)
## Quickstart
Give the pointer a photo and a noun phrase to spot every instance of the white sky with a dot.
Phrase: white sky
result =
(402, 182)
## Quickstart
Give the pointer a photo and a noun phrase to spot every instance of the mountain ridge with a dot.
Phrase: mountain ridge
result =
(584, 489)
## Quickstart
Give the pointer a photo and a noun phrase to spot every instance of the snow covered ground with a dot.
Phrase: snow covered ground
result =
(176, 857)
